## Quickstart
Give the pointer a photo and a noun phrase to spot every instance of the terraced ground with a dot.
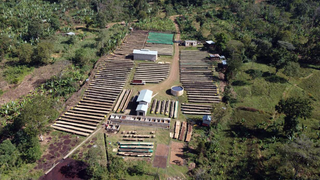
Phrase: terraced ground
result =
(103, 91)
(151, 72)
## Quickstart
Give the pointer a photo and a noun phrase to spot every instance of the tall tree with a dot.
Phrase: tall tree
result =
(294, 108)
(221, 41)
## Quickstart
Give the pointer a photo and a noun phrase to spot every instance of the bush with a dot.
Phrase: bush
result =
(81, 58)
(16, 74)
(42, 53)
(156, 24)
(259, 88)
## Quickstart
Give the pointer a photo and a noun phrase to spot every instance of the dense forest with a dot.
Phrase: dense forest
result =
(269, 127)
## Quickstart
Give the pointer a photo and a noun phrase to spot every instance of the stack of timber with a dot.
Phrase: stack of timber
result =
(183, 131)
(165, 107)
(140, 120)
(123, 101)
(139, 149)
(151, 72)
(189, 133)
(196, 109)
(196, 76)
(98, 99)
(177, 130)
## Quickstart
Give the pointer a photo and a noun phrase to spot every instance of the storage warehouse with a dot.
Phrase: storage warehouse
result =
(144, 99)
(145, 54)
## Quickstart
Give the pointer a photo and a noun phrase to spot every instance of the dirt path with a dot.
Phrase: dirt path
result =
(174, 70)
(32, 81)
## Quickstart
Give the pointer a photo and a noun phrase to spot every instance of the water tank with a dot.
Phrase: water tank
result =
(177, 90)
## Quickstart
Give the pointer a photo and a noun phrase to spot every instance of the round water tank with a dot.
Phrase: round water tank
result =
(177, 90)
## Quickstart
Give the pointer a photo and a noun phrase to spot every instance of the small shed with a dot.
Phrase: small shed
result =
(210, 42)
(188, 43)
(206, 120)
(71, 34)
(145, 54)
(143, 99)
(214, 57)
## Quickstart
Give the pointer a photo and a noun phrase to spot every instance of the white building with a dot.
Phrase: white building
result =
(190, 43)
(144, 99)
(145, 54)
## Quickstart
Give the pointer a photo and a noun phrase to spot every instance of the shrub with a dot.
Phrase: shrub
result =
(81, 57)
(259, 87)
(16, 74)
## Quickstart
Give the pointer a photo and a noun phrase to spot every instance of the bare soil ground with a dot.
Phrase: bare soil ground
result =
(163, 49)
(161, 156)
(31, 81)
(222, 83)
(56, 150)
(177, 153)
(162, 150)
(68, 169)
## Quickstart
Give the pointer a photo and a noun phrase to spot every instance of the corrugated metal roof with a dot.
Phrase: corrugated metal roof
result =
(206, 118)
(145, 95)
(210, 42)
(224, 62)
(190, 40)
(142, 107)
(145, 51)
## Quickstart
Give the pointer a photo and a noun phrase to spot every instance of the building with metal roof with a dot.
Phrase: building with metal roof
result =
(210, 42)
(145, 96)
(190, 43)
(144, 99)
(206, 120)
(145, 54)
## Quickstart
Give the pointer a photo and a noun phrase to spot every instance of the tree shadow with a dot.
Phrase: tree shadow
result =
(239, 83)
(273, 78)
(90, 45)
(75, 169)
(242, 131)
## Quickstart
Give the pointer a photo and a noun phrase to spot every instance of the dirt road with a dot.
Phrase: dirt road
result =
(174, 69)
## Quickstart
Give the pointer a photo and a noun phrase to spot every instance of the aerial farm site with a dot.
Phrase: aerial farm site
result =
(143, 98)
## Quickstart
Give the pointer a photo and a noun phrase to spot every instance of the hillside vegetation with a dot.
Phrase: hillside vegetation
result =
(267, 126)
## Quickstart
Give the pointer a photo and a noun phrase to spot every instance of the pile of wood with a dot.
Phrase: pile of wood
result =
(182, 131)
(165, 107)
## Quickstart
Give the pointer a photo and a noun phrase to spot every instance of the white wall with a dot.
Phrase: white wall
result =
(144, 57)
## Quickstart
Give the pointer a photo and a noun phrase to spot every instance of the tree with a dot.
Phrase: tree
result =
(35, 29)
(72, 40)
(42, 53)
(301, 156)
(5, 43)
(81, 57)
(88, 21)
(25, 53)
(291, 69)
(280, 57)
(221, 41)
(219, 112)
(294, 108)
(36, 114)
(234, 65)
(55, 23)
(32, 150)
(8, 154)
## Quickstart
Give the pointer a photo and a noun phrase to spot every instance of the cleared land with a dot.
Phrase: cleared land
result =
(163, 49)
(161, 156)
(176, 155)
